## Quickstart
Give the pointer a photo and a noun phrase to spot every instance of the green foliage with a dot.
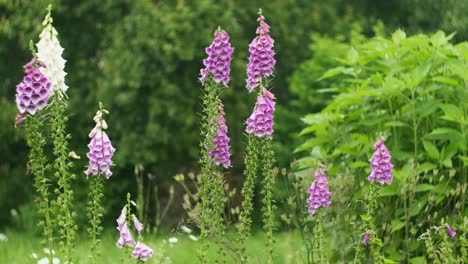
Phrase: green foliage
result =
(413, 90)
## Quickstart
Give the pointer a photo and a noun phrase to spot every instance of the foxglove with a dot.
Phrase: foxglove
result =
(261, 59)
(221, 142)
(260, 123)
(126, 237)
(142, 252)
(100, 149)
(366, 240)
(218, 63)
(138, 226)
(319, 193)
(33, 92)
(50, 52)
(450, 231)
(381, 167)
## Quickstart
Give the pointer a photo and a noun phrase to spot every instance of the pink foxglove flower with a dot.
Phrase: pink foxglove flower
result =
(450, 231)
(33, 92)
(100, 149)
(319, 193)
(218, 63)
(260, 123)
(261, 59)
(381, 167)
(126, 237)
(142, 252)
(366, 240)
(122, 218)
(221, 143)
(138, 226)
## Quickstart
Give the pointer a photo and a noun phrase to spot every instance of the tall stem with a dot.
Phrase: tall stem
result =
(38, 162)
(267, 191)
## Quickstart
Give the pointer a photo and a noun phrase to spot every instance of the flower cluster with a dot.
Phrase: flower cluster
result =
(221, 142)
(381, 167)
(218, 63)
(260, 123)
(100, 149)
(366, 240)
(50, 52)
(33, 92)
(261, 59)
(140, 251)
(319, 193)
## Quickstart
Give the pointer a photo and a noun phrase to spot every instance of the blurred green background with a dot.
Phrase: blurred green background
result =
(141, 58)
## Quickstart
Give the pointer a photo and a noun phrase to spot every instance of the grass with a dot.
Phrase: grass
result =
(20, 246)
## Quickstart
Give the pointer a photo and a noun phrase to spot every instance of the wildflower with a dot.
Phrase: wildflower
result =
(260, 123)
(100, 149)
(319, 193)
(261, 59)
(136, 223)
(381, 167)
(192, 237)
(186, 229)
(173, 240)
(48, 251)
(450, 231)
(3, 237)
(125, 238)
(34, 255)
(45, 260)
(218, 63)
(50, 52)
(13, 212)
(366, 240)
(32, 93)
(121, 219)
(142, 252)
(221, 141)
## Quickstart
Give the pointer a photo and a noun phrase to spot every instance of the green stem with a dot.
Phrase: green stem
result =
(267, 192)
(250, 172)
(38, 162)
(95, 211)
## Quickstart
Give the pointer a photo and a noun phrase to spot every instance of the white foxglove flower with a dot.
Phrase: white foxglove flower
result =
(50, 52)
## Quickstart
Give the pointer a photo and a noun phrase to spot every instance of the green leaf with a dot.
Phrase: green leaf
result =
(398, 36)
(332, 72)
(418, 260)
(426, 166)
(431, 150)
(396, 124)
(397, 225)
(423, 187)
(353, 56)
(452, 112)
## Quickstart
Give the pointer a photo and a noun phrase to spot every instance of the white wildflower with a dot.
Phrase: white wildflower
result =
(47, 251)
(186, 229)
(45, 260)
(3, 237)
(173, 240)
(194, 238)
(13, 212)
(50, 52)
(34, 255)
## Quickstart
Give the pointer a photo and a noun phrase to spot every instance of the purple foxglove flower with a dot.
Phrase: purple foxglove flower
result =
(218, 63)
(451, 232)
(221, 142)
(260, 123)
(125, 238)
(381, 167)
(136, 223)
(319, 193)
(366, 240)
(261, 59)
(121, 219)
(100, 149)
(142, 252)
(33, 92)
